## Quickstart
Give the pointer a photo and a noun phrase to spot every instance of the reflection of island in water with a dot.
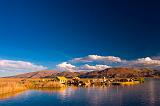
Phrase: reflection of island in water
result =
(51, 90)
(10, 95)
(44, 90)
(136, 95)
(63, 92)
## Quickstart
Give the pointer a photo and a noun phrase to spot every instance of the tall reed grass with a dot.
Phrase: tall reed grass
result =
(9, 85)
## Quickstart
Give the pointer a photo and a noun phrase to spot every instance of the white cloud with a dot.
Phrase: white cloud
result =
(92, 68)
(106, 62)
(66, 67)
(148, 60)
(96, 58)
(145, 63)
(155, 57)
(19, 66)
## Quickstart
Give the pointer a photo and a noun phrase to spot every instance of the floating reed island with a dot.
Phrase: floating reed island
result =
(10, 85)
(104, 81)
(53, 79)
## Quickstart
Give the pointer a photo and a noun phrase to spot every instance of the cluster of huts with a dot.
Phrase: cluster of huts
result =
(97, 81)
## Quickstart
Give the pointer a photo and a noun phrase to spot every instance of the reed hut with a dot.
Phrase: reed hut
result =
(61, 79)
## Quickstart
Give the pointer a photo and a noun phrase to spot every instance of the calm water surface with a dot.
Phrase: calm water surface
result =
(146, 94)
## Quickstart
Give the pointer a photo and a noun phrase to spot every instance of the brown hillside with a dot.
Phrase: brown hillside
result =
(69, 74)
(113, 72)
(108, 73)
(38, 74)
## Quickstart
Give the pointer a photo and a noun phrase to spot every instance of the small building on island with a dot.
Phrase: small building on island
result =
(61, 79)
(76, 78)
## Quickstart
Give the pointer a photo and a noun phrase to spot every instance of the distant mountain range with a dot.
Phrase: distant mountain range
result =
(47, 74)
(108, 73)
(119, 73)
(38, 74)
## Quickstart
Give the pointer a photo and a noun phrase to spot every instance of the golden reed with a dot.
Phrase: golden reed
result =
(9, 85)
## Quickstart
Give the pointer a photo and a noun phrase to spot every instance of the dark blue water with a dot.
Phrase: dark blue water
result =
(147, 94)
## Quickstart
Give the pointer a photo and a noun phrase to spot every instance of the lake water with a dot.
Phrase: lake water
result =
(146, 94)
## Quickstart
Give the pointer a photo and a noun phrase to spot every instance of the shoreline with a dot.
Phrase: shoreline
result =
(10, 85)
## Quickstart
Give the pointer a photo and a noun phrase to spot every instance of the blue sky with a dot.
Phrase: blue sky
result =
(48, 32)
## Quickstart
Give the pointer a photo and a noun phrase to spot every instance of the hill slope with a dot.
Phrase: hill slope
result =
(118, 72)
(47, 74)
(38, 74)
(108, 73)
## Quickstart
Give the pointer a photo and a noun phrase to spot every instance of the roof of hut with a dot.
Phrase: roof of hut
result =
(62, 78)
